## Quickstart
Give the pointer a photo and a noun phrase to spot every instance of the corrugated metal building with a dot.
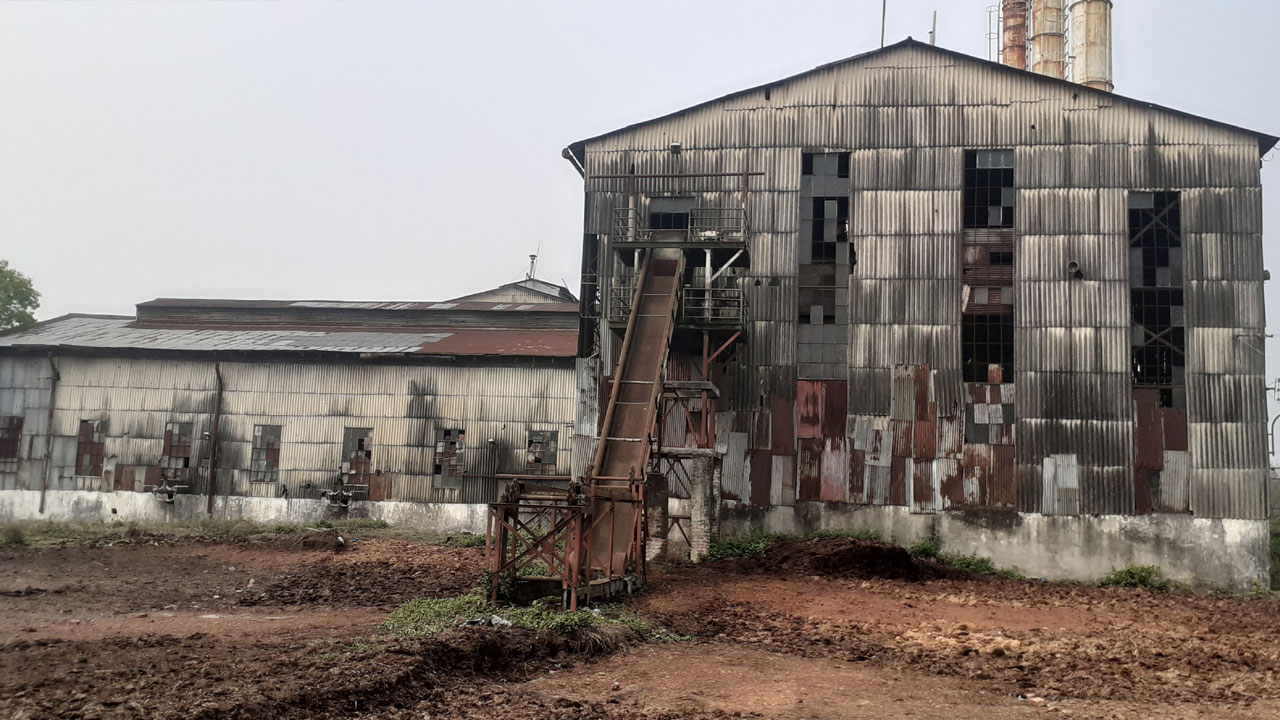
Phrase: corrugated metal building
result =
(967, 288)
(416, 402)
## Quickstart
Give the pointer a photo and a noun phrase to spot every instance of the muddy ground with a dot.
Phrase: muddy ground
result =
(153, 627)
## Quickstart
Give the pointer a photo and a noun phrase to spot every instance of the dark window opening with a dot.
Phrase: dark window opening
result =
(543, 445)
(10, 436)
(357, 450)
(988, 189)
(450, 444)
(670, 213)
(176, 460)
(825, 164)
(264, 458)
(987, 340)
(1000, 258)
(90, 442)
(1155, 293)
(830, 227)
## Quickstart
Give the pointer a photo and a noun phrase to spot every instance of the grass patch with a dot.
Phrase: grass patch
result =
(421, 617)
(1148, 577)
(925, 549)
(13, 535)
(48, 533)
(752, 545)
(977, 564)
(464, 540)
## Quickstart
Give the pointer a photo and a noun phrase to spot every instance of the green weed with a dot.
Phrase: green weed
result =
(427, 616)
(752, 545)
(1148, 577)
(925, 549)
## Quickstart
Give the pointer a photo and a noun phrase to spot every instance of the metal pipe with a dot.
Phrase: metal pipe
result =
(1091, 43)
(213, 437)
(1048, 42)
(884, 9)
(1013, 34)
(48, 431)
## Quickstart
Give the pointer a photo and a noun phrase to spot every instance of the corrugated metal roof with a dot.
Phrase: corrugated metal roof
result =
(1265, 142)
(122, 333)
(355, 305)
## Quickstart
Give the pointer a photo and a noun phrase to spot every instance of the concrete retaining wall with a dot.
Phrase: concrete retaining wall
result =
(90, 506)
(1205, 552)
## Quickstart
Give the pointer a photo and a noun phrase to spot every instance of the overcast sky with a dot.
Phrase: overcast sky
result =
(411, 151)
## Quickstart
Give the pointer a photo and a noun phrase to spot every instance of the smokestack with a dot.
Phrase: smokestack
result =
(1048, 45)
(1014, 33)
(1091, 43)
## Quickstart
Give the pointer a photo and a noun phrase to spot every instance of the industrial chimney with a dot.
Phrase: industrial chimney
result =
(1091, 43)
(1013, 34)
(1048, 43)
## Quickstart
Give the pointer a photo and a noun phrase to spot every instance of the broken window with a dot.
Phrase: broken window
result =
(987, 340)
(264, 458)
(357, 449)
(90, 442)
(826, 256)
(10, 436)
(448, 456)
(1155, 288)
(988, 189)
(824, 219)
(175, 463)
(669, 213)
(542, 451)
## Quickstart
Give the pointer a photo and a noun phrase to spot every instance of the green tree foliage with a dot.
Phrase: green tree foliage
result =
(18, 299)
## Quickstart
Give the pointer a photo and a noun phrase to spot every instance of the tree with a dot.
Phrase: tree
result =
(18, 299)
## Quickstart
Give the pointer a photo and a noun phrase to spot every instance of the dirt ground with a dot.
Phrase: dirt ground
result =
(287, 628)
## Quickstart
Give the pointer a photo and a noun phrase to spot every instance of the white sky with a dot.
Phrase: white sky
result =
(411, 151)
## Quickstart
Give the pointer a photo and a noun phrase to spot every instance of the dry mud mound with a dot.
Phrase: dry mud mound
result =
(200, 676)
(383, 573)
(840, 558)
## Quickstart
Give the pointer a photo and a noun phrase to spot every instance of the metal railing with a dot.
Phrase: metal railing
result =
(727, 225)
(621, 294)
(713, 306)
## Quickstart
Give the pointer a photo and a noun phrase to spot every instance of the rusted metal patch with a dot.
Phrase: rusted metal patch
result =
(782, 431)
(761, 476)
(925, 439)
(1002, 490)
(857, 476)
(809, 469)
(809, 405)
(902, 437)
(835, 403)
(922, 499)
(1175, 429)
(950, 437)
(898, 477)
(834, 466)
(922, 376)
(1148, 432)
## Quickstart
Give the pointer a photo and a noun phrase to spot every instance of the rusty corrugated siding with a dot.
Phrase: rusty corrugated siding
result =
(910, 112)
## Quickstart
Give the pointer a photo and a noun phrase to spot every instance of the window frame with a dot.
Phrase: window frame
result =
(264, 460)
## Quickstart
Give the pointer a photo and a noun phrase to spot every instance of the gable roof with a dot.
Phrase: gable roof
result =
(545, 291)
(1265, 142)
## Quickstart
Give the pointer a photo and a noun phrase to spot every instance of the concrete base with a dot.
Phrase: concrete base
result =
(90, 506)
(1204, 552)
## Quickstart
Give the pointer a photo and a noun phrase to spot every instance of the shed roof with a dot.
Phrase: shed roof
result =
(1265, 142)
(103, 332)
